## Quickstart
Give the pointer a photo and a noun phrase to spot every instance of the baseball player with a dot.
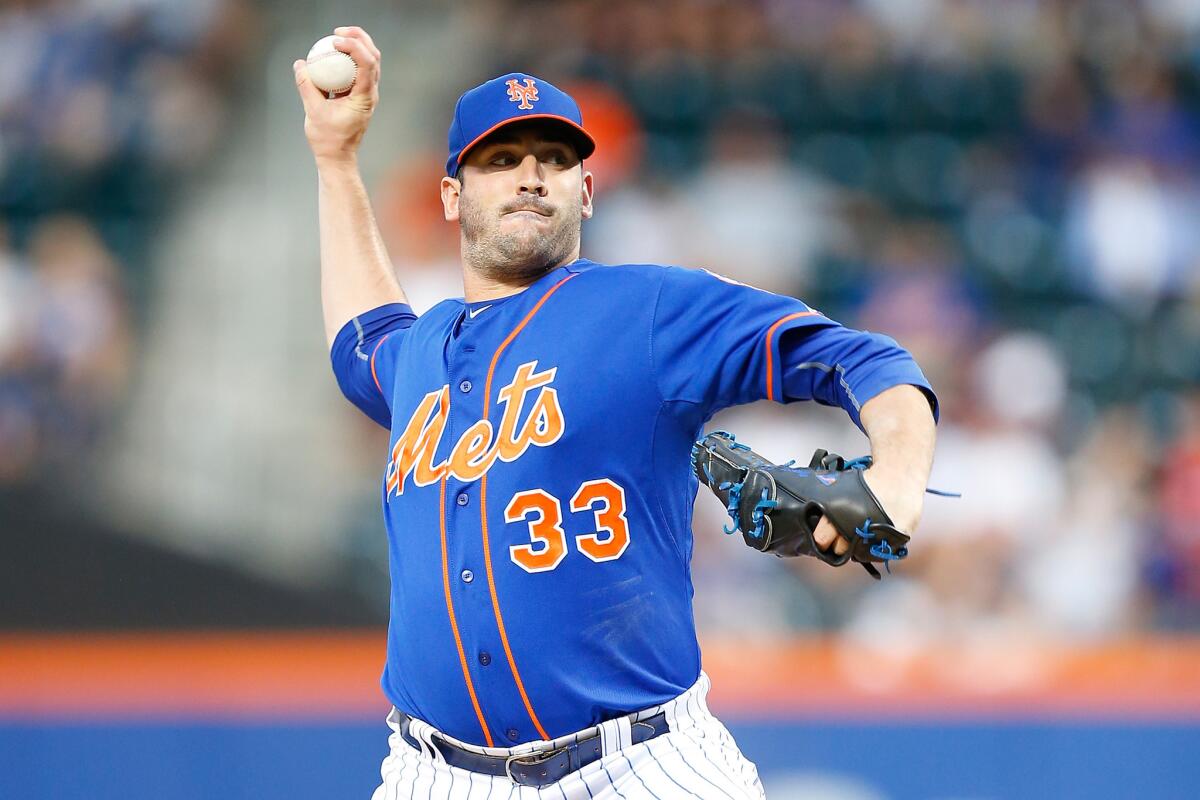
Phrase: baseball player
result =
(537, 489)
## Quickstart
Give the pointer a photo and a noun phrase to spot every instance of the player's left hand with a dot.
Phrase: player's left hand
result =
(902, 502)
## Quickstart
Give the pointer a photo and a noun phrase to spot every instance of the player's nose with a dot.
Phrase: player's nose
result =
(531, 179)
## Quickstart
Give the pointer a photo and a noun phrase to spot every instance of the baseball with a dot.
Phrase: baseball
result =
(329, 69)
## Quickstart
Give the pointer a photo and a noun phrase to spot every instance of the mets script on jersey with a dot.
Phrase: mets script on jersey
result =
(479, 446)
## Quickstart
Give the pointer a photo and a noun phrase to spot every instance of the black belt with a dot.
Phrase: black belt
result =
(536, 769)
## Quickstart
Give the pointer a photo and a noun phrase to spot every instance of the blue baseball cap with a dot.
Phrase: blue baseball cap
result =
(512, 98)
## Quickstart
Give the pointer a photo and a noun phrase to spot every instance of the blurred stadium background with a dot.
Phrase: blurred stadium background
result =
(193, 577)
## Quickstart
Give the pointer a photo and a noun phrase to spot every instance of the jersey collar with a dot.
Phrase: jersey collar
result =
(477, 308)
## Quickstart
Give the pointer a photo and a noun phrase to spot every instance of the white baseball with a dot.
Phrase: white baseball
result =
(330, 70)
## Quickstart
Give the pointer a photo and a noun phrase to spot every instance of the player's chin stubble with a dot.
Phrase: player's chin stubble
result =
(518, 256)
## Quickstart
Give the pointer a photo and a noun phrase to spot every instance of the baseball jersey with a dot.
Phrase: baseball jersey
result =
(538, 490)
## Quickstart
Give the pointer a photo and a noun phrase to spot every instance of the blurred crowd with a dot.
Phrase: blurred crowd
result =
(1009, 189)
(65, 347)
(106, 108)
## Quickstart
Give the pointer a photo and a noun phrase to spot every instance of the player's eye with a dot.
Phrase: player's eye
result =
(556, 156)
(502, 159)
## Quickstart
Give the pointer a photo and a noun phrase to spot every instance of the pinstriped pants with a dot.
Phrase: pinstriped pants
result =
(696, 758)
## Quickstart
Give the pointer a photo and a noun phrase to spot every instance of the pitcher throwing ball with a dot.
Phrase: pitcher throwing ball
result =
(539, 481)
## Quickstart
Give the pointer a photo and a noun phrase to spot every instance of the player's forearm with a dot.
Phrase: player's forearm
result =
(356, 273)
(900, 425)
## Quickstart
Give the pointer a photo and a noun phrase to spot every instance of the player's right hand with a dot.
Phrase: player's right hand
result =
(335, 127)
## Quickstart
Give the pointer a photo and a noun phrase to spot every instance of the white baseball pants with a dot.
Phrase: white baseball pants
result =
(696, 758)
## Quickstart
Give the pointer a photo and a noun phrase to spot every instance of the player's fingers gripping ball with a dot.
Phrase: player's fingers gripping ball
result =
(329, 69)
(777, 506)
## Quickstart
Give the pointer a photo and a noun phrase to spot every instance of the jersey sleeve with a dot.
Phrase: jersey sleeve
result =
(839, 366)
(717, 343)
(364, 358)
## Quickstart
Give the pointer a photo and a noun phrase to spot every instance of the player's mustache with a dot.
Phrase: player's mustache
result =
(537, 206)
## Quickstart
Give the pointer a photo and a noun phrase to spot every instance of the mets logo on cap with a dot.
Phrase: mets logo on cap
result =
(526, 95)
(482, 111)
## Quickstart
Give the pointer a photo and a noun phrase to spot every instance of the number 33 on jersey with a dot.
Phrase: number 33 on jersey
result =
(603, 497)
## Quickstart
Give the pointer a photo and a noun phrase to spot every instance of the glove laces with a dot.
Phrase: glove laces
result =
(883, 548)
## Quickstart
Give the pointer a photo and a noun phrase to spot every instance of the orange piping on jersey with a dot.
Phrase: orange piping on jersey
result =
(462, 656)
(770, 355)
(373, 375)
(487, 553)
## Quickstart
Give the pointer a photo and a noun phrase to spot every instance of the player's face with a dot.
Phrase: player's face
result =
(521, 201)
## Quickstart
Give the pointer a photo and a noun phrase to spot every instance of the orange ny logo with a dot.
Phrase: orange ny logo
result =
(527, 94)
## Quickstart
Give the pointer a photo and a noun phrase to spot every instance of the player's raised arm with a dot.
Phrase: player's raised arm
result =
(356, 273)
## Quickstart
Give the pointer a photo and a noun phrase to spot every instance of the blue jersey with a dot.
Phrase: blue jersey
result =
(538, 490)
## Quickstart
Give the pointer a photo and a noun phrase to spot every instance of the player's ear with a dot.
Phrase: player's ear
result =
(585, 189)
(451, 192)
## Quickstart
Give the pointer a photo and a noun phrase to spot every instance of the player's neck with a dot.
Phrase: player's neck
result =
(478, 286)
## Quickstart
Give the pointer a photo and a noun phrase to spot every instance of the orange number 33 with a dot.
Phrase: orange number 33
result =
(548, 542)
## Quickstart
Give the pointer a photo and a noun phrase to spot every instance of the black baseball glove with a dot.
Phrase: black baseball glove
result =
(777, 506)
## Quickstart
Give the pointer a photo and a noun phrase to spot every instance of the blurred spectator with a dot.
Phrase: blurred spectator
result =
(64, 350)
(18, 439)
(744, 212)
(82, 329)
(754, 216)
(1079, 573)
(1175, 557)
(915, 290)
(1130, 234)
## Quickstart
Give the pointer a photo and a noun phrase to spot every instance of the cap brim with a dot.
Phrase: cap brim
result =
(585, 145)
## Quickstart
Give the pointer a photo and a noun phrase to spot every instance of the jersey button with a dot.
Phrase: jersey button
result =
(468, 576)
(485, 658)
(513, 734)
(465, 386)
(462, 499)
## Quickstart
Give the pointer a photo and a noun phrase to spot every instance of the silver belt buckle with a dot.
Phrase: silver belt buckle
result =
(535, 759)
(508, 769)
